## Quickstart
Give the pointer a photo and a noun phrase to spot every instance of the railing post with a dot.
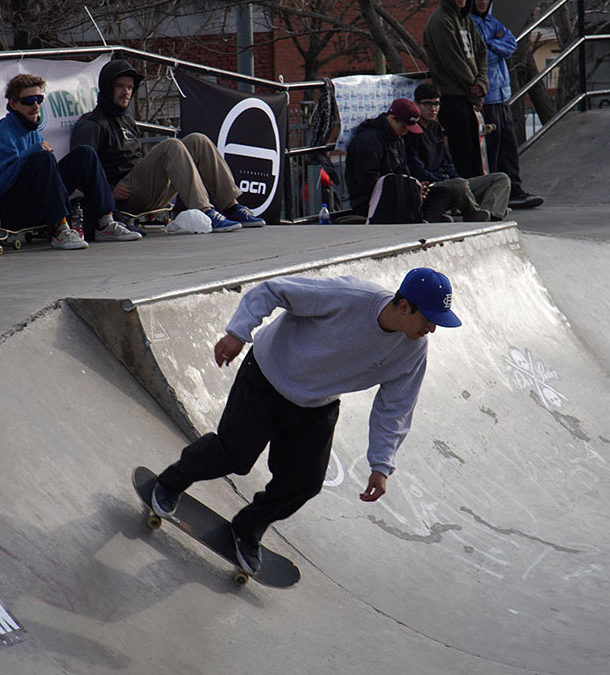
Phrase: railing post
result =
(582, 60)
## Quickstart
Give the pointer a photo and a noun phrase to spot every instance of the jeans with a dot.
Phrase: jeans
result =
(41, 193)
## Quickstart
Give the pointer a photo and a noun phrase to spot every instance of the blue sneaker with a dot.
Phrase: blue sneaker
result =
(248, 553)
(220, 223)
(164, 502)
(244, 216)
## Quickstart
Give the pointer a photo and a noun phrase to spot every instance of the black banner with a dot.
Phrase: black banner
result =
(250, 133)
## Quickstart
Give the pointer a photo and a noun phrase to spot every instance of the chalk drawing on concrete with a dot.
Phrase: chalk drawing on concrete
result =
(528, 372)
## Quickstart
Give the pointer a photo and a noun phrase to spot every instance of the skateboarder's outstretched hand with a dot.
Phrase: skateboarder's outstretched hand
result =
(226, 349)
(375, 488)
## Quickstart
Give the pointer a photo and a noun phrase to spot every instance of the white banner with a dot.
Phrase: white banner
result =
(71, 91)
(360, 97)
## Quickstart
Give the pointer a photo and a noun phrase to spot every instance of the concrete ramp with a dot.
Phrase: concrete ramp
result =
(487, 556)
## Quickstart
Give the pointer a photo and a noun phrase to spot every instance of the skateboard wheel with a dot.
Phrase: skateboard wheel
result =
(17, 244)
(240, 578)
(153, 521)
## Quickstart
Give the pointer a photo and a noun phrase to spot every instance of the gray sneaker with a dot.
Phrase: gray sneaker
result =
(68, 239)
(164, 502)
(248, 553)
(114, 231)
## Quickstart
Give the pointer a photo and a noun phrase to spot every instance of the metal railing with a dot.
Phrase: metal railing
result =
(583, 97)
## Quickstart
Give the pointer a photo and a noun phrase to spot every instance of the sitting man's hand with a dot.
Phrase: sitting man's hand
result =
(121, 192)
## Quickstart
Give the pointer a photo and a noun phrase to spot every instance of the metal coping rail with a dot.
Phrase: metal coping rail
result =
(129, 305)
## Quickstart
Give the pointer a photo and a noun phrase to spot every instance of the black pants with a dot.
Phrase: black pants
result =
(502, 148)
(459, 121)
(40, 195)
(256, 414)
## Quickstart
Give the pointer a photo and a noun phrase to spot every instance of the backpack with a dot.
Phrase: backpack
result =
(396, 198)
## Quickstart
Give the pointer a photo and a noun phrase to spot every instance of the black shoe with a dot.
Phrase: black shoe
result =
(525, 200)
(477, 216)
(164, 502)
(439, 218)
(248, 553)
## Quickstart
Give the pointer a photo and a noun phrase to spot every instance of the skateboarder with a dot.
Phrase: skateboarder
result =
(191, 167)
(334, 336)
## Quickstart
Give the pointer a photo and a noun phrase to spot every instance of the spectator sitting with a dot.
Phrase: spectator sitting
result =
(186, 167)
(502, 149)
(35, 189)
(430, 160)
(378, 148)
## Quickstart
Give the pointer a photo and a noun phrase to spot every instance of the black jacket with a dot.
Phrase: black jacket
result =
(428, 155)
(373, 151)
(110, 129)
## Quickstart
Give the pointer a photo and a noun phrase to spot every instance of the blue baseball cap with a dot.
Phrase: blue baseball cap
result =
(431, 292)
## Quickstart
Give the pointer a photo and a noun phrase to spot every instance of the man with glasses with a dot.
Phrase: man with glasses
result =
(35, 189)
(379, 147)
(430, 161)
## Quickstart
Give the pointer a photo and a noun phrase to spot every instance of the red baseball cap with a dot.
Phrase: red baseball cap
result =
(407, 113)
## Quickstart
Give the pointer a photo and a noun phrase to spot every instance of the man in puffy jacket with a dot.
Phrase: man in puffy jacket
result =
(502, 148)
(378, 147)
(192, 167)
(457, 61)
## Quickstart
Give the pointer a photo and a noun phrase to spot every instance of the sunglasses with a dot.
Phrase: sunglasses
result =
(30, 100)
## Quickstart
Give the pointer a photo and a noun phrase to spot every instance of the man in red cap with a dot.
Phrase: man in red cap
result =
(378, 148)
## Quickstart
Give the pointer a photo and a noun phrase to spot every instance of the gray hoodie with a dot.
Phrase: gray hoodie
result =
(328, 342)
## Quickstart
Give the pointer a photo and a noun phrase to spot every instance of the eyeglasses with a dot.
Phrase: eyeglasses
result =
(33, 98)
(430, 104)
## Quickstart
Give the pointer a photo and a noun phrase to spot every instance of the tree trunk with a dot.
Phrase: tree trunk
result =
(379, 36)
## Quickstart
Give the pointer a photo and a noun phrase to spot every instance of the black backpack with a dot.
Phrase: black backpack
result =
(396, 198)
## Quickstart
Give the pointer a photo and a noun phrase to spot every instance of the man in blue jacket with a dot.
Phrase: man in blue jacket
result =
(502, 148)
(35, 188)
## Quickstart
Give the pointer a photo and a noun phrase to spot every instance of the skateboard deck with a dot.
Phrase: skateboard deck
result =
(155, 218)
(212, 530)
(16, 238)
(484, 129)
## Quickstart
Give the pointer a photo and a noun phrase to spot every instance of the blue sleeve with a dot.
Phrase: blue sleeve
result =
(12, 157)
(504, 46)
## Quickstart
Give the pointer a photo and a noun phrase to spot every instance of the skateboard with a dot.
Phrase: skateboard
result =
(16, 238)
(156, 218)
(212, 530)
(484, 129)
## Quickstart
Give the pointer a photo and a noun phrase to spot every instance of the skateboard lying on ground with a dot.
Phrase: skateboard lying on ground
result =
(157, 218)
(16, 238)
(213, 531)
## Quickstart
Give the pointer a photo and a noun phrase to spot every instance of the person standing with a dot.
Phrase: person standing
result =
(333, 336)
(502, 149)
(457, 61)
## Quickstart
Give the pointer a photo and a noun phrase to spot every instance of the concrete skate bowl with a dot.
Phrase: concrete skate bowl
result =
(487, 556)
(569, 164)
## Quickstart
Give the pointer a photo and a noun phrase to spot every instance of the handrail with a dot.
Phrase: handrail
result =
(149, 56)
(541, 19)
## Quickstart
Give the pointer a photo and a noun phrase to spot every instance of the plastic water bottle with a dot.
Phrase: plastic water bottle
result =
(76, 218)
(324, 215)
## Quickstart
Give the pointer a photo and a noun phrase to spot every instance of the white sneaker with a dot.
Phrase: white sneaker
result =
(114, 231)
(68, 239)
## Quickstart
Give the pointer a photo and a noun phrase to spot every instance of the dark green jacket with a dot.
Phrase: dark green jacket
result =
(457, 56)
